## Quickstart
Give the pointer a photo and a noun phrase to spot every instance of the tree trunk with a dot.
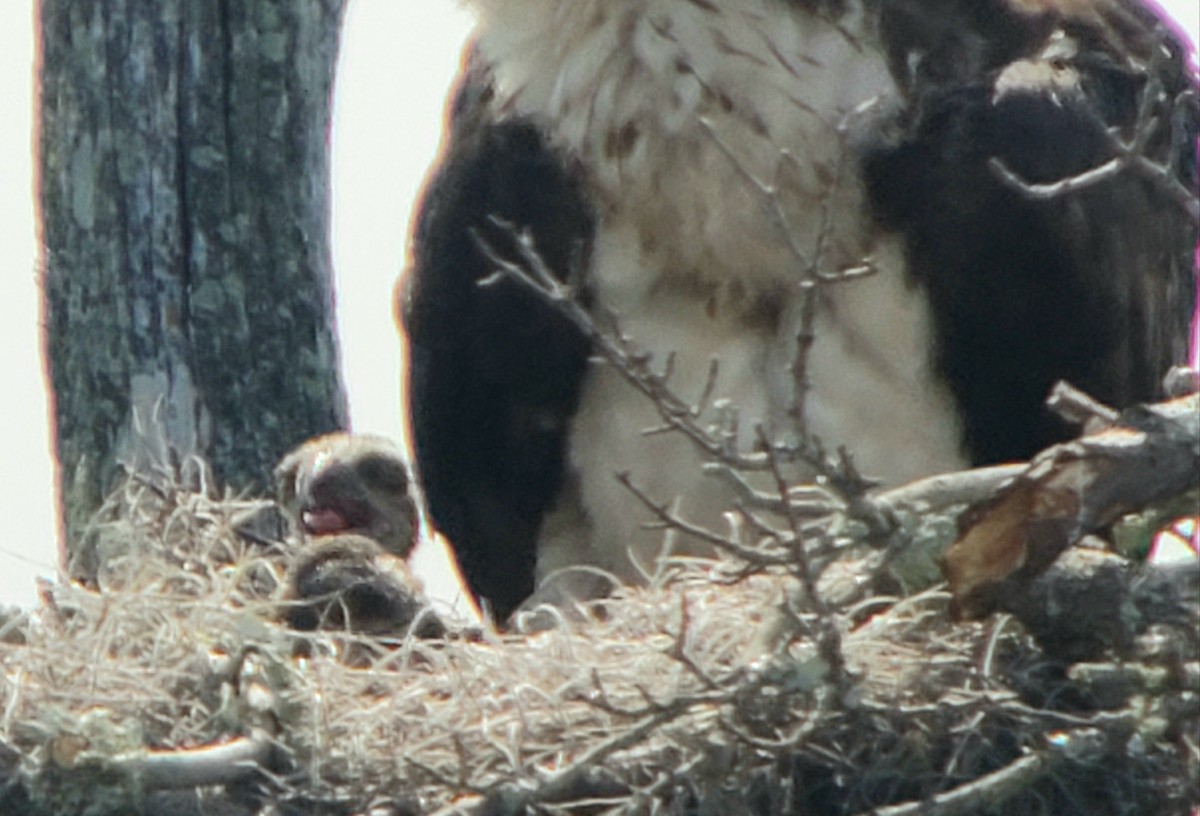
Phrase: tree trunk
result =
(184, 193)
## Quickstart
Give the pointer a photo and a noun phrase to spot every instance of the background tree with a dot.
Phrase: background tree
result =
(184, 196)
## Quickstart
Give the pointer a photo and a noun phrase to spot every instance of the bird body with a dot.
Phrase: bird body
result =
(708, 175)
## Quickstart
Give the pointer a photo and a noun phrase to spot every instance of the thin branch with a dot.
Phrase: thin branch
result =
(669, 517)
(1128, 156)
(800, 565)
(986, 792)
(532, 273)
(770, 194)
(560, 785)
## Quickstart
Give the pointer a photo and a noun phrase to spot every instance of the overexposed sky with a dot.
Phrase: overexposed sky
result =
(398, 58)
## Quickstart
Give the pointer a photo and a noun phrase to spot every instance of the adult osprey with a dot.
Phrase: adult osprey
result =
(695, 167)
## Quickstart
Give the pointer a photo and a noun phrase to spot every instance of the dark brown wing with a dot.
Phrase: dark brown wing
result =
(494, 373)
(1094, 285)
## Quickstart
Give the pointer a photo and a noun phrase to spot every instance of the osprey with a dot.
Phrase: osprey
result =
(938, 207)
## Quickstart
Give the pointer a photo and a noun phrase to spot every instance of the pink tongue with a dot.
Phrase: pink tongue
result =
(324, 520)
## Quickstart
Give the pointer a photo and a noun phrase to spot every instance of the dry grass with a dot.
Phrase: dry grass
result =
(710, 695)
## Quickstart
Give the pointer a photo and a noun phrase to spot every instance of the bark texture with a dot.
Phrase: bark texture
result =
(184, 193)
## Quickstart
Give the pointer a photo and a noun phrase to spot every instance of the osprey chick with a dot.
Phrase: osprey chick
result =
(721, 177)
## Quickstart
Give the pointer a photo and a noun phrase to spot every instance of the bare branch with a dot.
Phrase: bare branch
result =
(678, 414)
(761, 556)
(986, 792)
(1128, 157)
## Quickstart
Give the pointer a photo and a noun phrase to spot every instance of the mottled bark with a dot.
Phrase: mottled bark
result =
(184, 193)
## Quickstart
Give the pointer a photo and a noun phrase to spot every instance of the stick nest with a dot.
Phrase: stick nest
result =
(173, 688)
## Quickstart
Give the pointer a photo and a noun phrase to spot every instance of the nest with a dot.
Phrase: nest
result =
(175, 687)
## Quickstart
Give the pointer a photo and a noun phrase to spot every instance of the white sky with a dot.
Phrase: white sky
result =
(398, 58)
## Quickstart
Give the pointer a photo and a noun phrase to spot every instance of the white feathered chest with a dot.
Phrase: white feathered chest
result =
(721, 166)
(716, 127)
(714, 139)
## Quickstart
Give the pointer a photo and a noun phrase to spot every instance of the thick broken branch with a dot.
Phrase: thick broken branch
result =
(1068, 491)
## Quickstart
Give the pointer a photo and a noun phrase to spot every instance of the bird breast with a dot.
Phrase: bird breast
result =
(713, 133)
